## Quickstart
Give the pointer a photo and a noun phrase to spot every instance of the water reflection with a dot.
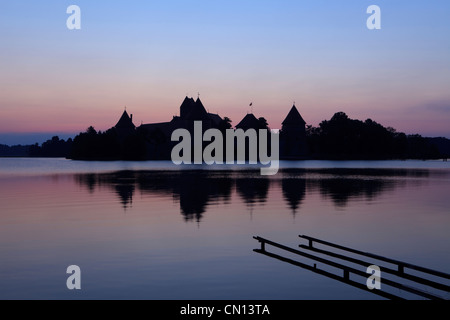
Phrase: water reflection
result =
(196, 190)
(252, 188)
(294, 191)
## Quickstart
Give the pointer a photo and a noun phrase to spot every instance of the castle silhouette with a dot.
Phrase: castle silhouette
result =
(157, 136)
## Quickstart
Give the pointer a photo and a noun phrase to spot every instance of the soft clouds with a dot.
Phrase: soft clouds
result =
(438, 106)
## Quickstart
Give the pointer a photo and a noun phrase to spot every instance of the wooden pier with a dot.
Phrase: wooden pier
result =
(344, 271)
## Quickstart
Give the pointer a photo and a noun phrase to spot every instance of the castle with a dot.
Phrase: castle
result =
(158, 135)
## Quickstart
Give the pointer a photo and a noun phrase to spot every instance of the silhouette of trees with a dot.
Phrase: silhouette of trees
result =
(93, 145)
(225, 124)
(442, 145)
(338, 138)
(91, 131)
(53, 148)
(421, 148)
(345, 138)
(263, 124)
(14, 151)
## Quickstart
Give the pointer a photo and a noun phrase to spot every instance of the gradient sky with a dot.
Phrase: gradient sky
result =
(149, 55)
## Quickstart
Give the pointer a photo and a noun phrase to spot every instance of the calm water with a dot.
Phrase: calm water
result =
(151, 231)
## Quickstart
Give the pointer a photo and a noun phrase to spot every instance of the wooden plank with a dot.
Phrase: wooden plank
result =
(330, 275)
(400, 264)
(417, 279)
(349, 269)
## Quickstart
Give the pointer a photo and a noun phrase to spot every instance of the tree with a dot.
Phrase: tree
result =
(344, 138)
(91, 131)
(225, 124)
(262, 123)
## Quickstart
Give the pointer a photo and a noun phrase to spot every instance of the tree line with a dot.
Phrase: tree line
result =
(338, 138)
(344, 138)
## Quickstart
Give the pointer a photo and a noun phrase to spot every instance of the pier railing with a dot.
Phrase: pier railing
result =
(345, 271)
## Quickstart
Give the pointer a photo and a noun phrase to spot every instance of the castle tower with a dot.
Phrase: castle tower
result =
(186, 107)
(293, 136)
(248, 122)
(125, 126)
(197, 112)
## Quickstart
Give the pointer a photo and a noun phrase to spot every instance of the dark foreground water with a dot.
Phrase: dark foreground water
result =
(151, 231)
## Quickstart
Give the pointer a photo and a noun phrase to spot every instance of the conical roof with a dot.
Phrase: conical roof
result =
(200, 104)
(248, 122)
(294, 117)
(186, 107)
(198, 111)
(125, 121)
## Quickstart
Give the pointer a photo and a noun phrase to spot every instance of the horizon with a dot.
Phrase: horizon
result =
(31, 138)
(148, 56)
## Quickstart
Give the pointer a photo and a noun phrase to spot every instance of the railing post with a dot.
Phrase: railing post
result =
(346, 275)
(347, 270)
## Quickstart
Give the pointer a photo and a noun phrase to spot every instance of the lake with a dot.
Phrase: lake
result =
(152, 230)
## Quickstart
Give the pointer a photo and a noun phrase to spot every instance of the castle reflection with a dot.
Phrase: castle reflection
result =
(195, 190)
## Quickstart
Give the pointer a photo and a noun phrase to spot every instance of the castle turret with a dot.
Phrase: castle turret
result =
(198, 112)
(186, 107)
(249, 122)
(125, 126)
(294, 120)
(293, 136)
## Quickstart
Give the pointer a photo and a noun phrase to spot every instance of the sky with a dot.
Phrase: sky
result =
(148, 55)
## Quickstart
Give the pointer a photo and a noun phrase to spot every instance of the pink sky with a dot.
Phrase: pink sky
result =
(72, 109)
(323, 58)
